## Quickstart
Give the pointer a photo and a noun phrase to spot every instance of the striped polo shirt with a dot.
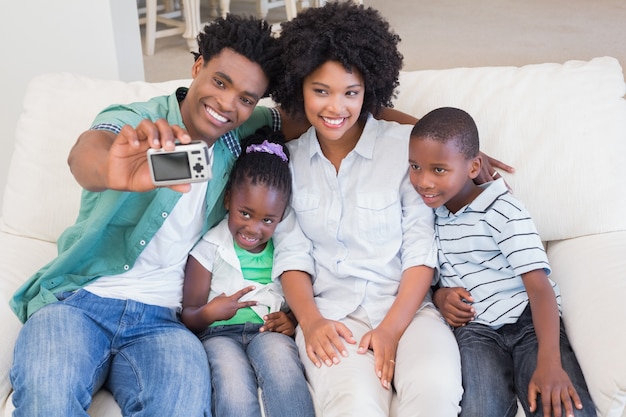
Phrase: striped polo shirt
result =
(486, 247)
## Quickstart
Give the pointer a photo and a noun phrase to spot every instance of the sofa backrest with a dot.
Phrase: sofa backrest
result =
(41, 197)
(562, 126)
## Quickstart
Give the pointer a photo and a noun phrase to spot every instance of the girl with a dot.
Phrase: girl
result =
(247, 338)
(355, 255)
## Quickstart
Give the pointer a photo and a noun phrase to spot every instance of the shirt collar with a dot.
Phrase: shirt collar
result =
(491, 192)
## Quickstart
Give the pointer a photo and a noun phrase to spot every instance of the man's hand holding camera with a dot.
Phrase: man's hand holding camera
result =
(101, 160)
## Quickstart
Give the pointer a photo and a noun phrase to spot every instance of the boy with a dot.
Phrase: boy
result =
(493, 270)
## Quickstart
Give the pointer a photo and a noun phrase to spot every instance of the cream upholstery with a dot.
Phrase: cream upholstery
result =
(563, 126)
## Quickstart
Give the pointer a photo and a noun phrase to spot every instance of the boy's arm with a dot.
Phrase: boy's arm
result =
(101, 160)
(454, 304)
(549, 378)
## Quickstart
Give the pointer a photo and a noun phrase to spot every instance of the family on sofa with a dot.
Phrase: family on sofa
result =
(355, 251)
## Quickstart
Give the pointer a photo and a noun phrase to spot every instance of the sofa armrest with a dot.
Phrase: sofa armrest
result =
(591, 273)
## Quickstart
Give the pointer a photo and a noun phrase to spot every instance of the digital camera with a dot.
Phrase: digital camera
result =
(185, 164)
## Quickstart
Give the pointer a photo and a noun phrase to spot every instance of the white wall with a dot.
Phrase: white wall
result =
(98, 38)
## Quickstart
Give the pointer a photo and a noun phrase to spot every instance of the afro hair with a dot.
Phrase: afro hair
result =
(247, 36)
(355, 36)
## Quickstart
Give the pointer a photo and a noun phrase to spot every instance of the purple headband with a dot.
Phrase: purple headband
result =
(267, 147)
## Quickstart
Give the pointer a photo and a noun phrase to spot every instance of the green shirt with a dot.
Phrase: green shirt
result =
(113, 227)
(255, 267)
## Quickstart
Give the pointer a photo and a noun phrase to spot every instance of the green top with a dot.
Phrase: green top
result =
(255, 267)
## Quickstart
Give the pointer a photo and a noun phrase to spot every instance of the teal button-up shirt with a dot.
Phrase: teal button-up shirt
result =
(114, 227)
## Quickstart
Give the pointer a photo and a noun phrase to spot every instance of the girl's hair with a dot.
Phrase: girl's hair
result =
(355, 36)
(245, 35)
(264, 160)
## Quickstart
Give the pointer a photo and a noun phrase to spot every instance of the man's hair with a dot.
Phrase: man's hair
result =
(355, 36)
(247, 36)
(450, 124)
(264, 160)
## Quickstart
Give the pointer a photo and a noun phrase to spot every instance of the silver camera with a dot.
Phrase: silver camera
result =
(185, 164)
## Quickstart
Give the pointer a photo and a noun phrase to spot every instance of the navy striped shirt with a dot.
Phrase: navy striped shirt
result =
(486, 247)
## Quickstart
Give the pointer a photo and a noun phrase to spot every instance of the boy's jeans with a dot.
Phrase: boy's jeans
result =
(243, 360)
(497, 366)
(141, 353)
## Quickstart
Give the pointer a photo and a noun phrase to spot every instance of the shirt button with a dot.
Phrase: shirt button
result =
(142, 242)
(126, 267)
(164, 214)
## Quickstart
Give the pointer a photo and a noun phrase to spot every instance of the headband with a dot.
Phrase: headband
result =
(267, 147)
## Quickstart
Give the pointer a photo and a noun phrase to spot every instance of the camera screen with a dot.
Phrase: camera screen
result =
(170, 166)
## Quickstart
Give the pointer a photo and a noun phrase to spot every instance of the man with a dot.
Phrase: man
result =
(104, 312)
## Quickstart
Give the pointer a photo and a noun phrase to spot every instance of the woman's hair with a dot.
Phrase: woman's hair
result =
(357, 37)
(247, 36)
(449, 124)
(264, 160)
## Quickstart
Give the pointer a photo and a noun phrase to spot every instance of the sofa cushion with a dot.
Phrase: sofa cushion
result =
(562, 126)
(57, 109)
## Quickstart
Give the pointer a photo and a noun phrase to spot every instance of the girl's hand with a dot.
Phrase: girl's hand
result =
(279, 322)
(224, 307)
(384, 346)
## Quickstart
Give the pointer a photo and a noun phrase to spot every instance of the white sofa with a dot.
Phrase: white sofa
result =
(562, 126)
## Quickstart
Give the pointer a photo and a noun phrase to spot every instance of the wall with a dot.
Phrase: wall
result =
(98, 38)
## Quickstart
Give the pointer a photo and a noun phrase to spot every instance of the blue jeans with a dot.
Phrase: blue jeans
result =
(242, 360)
(149, 361)
(497, 366)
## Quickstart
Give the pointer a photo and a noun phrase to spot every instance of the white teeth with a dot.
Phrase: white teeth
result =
(333, 121)
(216, 116)
(248, 239)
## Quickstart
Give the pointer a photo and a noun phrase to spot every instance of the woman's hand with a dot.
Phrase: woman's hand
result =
(488, 169)
(324, 343)
(384, 346)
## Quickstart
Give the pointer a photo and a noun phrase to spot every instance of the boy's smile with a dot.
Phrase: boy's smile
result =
(441, 174)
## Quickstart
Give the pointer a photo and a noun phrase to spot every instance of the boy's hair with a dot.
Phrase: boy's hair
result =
(450, 124)
(247, 36)
(264, 160)
(355, 36)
